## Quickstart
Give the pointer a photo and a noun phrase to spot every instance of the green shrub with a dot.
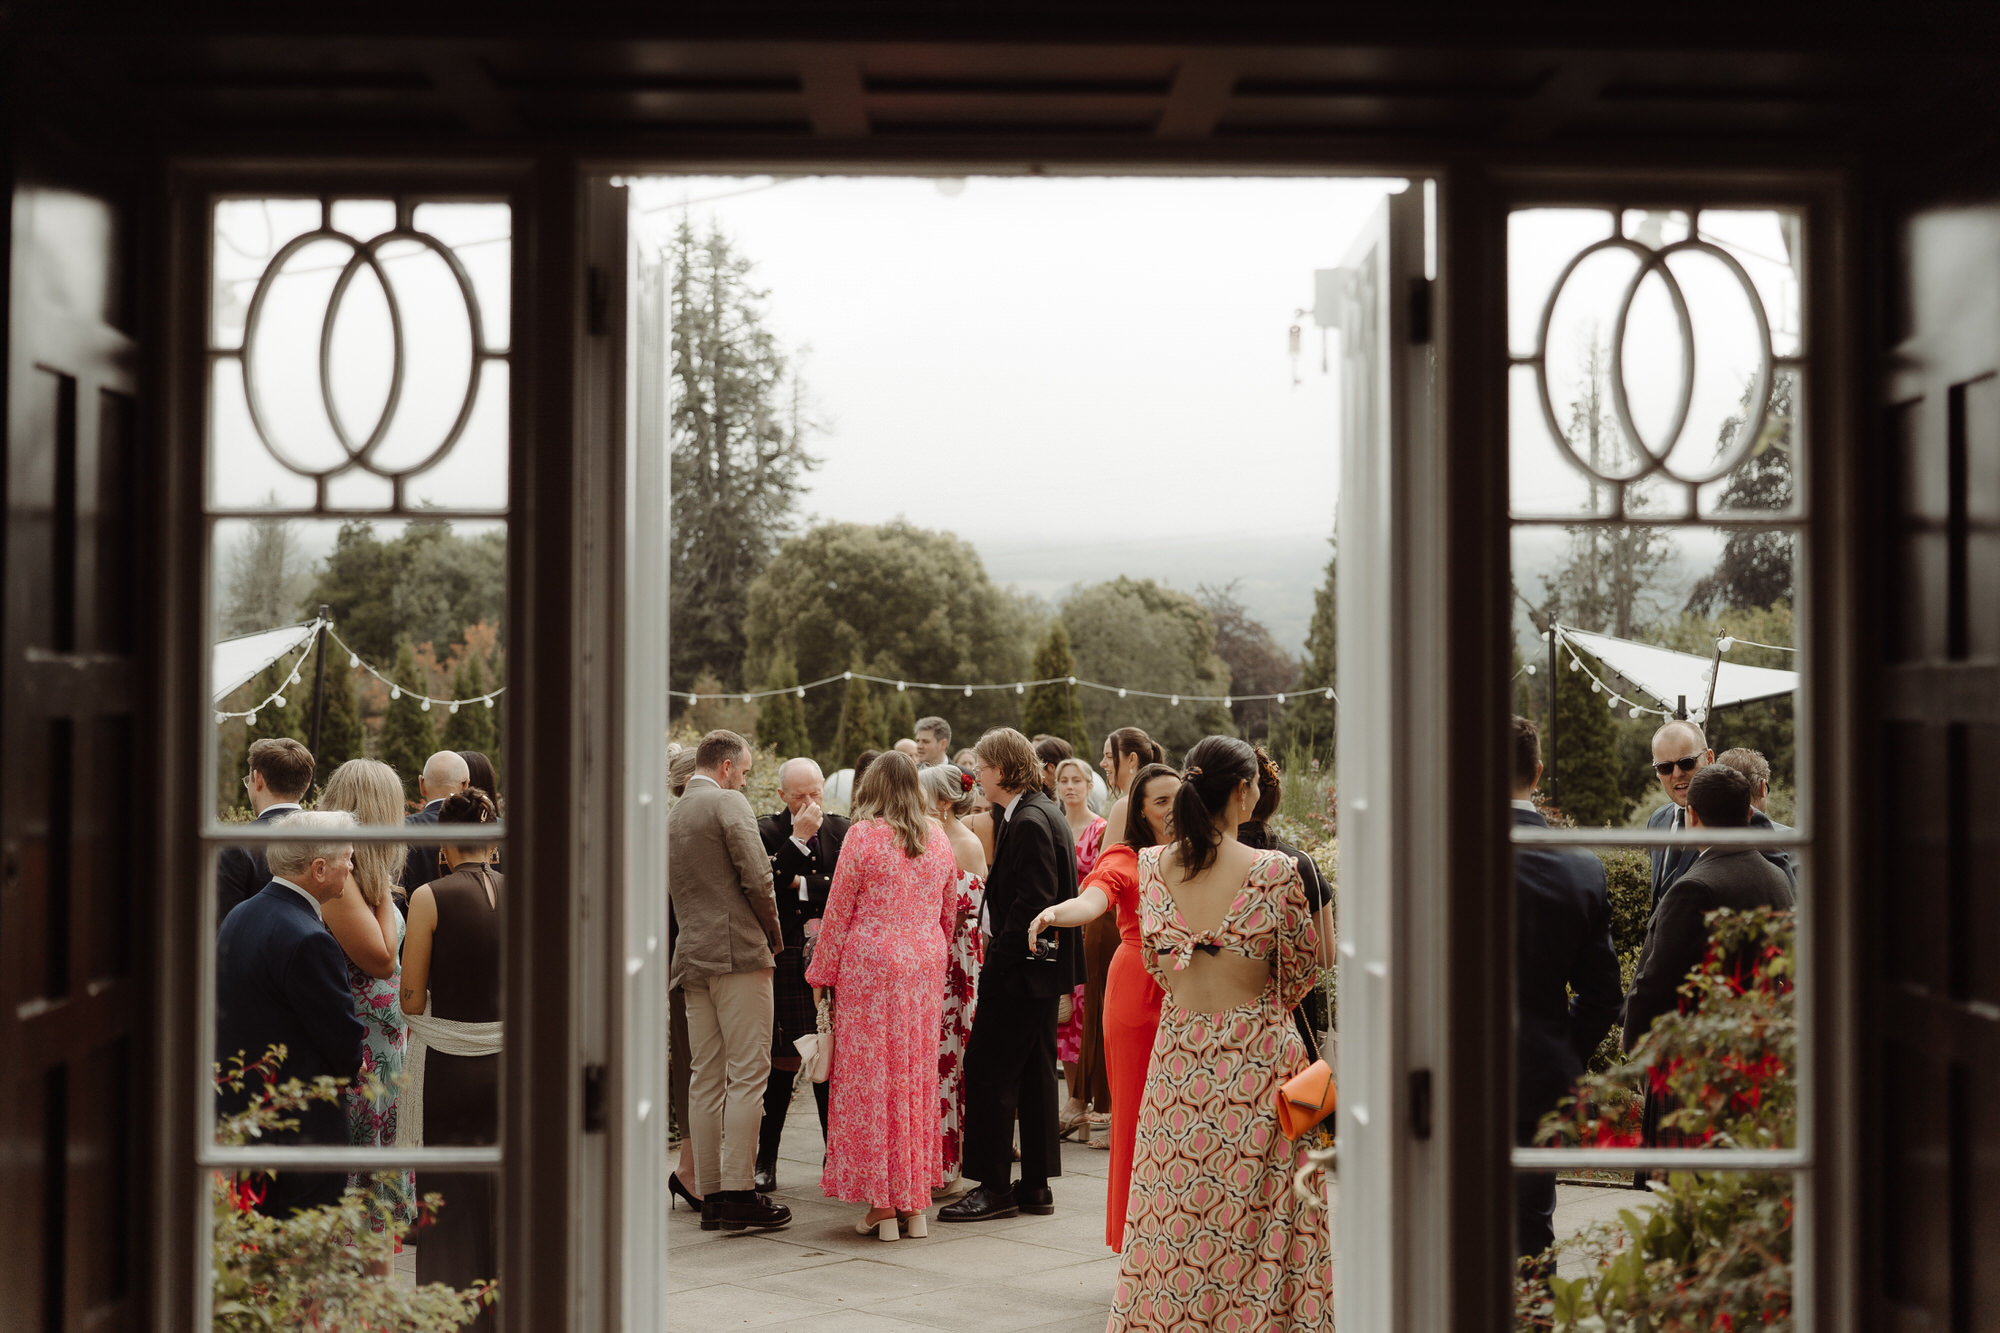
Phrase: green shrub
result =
(1716, 1250)
(323, 1268)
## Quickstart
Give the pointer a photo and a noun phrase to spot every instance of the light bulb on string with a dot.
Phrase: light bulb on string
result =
(1121, 692)
(1596, 686)
(746, 698)
(278, 699)
(250, 717)
(1174, 702)
(425, 705)
(1530, 668)
(489, 701)
(968, 691)
(847, 675)
(353, 661)
(1019, 688)
(221, 717)
(295, 678)
(454, 706)
(1615, 701)
(1329, 693)
(1281, 698)
(395, 691)
(1575, 665)
(802, 691)
(1725, 644)
(1227, 702)
(899, 689)
(1072, 680)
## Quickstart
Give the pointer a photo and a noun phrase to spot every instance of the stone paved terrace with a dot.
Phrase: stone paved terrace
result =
(1052, 1274)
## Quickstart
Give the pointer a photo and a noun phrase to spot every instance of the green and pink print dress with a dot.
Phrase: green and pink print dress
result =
(1215, 1238)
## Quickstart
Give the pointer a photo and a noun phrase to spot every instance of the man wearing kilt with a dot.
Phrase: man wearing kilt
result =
(804, 845)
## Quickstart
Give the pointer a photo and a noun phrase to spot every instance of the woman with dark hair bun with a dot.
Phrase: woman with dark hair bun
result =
(1215, 1235)
(451, 1000)
(1126, 751)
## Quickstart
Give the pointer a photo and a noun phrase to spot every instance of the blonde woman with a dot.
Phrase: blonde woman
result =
(881, 950)
(366, 923)
(950, 790)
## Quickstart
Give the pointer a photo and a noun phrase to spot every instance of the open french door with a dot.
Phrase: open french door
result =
(1391, 576)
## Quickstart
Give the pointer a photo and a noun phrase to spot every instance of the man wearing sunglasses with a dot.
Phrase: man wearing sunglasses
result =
(1679, 752)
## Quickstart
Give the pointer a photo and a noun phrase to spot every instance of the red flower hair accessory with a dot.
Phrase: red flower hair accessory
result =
(965, 782)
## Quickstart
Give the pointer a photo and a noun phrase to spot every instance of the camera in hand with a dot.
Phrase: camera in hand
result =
(1042, 948)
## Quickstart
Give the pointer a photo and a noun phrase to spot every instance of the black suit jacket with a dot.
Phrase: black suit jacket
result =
(240, 872)
(1666, 872)
(281, 979)
(1562, 943)
(788, 863)
(422, 865)
(1034, 866)
(1677, 937)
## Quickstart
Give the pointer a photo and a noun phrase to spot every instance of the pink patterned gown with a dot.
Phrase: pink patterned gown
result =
(961, 989)
(882, 949)
(1215, 1239)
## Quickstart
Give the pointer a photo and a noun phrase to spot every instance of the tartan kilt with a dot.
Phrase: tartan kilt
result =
(793, 1014)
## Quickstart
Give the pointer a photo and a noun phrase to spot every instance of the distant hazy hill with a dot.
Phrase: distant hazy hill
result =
(1278, 573)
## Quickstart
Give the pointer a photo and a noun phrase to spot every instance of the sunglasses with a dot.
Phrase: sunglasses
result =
(1686, 765)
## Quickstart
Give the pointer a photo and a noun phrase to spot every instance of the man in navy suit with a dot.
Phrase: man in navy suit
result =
(1010, 1061)
(281, 980)
(281, 772)
(1566, 984)
(1679, 752)
(445, 774)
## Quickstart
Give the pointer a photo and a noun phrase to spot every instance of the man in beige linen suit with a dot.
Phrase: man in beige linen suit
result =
(720, 884)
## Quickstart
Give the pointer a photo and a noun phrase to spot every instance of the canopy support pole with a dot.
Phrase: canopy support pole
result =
(319, 676)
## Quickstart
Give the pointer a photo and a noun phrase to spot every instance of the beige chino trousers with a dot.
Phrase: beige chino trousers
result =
(729, 1045)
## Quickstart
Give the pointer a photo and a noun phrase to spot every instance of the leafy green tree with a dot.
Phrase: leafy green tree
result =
(1052, 708)
(1755, 568)
(1588, 786)
(408, 736)
(341, 736)
(781, 718)
(425, 585)
(471, 727)
(1133, 632)
(1308, 723)
(1257, 665)
(916, 604)
(739, 428)
(269, 573)
(862, 725)
(902, 716)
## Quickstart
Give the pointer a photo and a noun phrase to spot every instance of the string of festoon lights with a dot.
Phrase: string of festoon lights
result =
(396, 690)
(1018, 687)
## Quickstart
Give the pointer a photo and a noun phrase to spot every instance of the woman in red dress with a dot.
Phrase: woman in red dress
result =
(1131, 996)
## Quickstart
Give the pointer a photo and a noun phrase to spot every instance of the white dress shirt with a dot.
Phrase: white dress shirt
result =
(280, 879)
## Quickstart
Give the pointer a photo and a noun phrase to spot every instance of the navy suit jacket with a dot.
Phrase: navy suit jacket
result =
(1666, 872)
(240, 872)
(1562, 943)
(422, 865)
(1034, 866)
(1677, 936)
(281, 979)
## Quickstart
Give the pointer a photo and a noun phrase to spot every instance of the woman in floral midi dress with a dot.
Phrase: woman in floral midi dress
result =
(950, 791)
(881, 949)
(1216, 1238)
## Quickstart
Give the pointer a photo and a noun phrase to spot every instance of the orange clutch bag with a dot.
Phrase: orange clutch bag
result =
(1306, 1098)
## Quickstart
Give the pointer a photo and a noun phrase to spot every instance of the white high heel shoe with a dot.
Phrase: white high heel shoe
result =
(917, 1225)
(888, 1228)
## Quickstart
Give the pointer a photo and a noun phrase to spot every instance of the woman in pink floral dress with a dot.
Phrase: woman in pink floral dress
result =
(950, 790)
(881, 950)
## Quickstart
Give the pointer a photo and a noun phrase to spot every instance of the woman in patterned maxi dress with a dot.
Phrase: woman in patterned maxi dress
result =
(950, 789)
(1216, 1239)
(881, 949)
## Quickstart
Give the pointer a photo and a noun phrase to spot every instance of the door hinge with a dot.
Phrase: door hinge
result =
(599, 299)
(1420, 310)
(1420, 1103)
(593, 1099)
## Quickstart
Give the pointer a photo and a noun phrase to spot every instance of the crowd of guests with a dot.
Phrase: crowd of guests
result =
(972, 927)
(377, 964)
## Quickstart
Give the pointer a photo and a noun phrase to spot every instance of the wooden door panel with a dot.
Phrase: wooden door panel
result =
(69, 1013)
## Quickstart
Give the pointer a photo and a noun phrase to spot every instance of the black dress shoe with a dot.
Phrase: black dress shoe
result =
(1034, 1199)
(982, 1205)
(766, 1179)
(736, 1210)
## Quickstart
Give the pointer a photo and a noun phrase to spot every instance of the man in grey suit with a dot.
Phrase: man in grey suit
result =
(1677, 936)
(720, 887)
(1679, 749)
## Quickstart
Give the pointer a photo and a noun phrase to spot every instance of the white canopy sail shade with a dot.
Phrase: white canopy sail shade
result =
(236, 660)
(1670, 676)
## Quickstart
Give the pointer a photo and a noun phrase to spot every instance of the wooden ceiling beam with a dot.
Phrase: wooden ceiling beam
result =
(1200, 90)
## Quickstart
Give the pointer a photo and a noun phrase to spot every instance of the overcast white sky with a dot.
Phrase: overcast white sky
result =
(1045, 358)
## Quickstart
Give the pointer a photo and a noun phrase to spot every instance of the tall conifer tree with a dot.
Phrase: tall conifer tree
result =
(409, 737)
(781, 718)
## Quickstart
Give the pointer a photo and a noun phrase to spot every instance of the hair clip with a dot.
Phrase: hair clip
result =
(1191, 773)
